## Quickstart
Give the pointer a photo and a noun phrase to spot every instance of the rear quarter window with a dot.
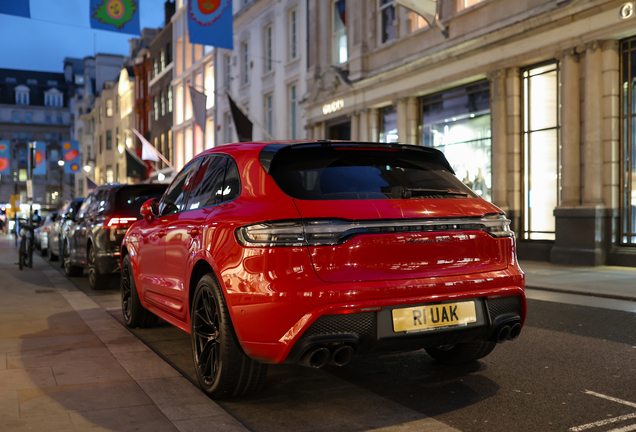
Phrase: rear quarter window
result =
(358, 173)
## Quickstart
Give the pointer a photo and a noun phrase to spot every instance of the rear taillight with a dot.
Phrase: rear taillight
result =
(333, 232)
(118, 221)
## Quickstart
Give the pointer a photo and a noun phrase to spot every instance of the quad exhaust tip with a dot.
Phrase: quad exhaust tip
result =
(508, 332)
(320, 356)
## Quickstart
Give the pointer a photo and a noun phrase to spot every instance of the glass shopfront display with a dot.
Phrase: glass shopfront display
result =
(388, 124)
(457, 122)
(628, 142)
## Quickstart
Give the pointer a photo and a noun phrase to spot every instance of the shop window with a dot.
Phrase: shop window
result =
(179, 151)
(457, 122)
(387, 20)
(628, 142)
(465, 4)
(339, 51)
(110, 174)
(189, 145)
(540, 151)
(388, 125)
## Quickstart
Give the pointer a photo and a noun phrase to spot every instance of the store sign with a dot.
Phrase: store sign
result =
(626, 11)
(334, 106)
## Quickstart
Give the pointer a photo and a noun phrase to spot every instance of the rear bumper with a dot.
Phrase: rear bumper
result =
(363, 320)
(108, 262)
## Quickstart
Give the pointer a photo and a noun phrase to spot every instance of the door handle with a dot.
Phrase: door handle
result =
(161, 234)
(194, 232)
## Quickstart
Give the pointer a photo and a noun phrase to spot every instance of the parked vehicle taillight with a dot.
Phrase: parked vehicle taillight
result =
(118, 221)
(333, 232)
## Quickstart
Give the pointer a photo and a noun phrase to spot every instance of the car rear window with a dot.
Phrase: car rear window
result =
(357, 173)
(128, 200)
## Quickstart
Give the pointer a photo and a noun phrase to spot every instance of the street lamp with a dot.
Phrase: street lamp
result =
(60, 163)
(87, 168)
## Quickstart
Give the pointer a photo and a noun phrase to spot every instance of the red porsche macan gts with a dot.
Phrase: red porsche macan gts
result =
(315, 252)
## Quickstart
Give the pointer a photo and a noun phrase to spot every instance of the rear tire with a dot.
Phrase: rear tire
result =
(135, 315)
(463, 352)
(96, 280)
(223, 370)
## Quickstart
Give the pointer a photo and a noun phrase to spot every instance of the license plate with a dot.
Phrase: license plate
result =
(434, 316)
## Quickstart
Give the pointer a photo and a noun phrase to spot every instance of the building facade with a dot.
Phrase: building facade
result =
(194, 67)
(34, 106)
(530, 102)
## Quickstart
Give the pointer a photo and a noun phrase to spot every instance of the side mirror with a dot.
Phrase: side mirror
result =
(149, 209)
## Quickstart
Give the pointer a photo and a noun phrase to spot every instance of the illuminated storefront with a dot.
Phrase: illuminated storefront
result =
(457, 122)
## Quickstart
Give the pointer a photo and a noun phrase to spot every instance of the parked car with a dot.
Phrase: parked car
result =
(94, 238)
(41, 233)
(311, 253)
(64, 217)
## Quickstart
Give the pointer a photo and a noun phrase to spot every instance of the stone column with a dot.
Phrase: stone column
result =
(610, 130)
(514, 146)
(498, 148)
(355, 126)
(592, 154)
(372, 115)
(364, 125)
(412, 114)
(402, 120)
(309, 131)
(319, 130)
(570, 130)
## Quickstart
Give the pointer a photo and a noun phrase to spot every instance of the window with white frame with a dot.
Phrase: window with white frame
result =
(162, 97)
(386, 9)
(268, 39)
(22, 95)
(245, 63)
(465, 4)
(339, 53)
(227, 71)
(293, 111)
(155, 106)
(292, 19)
(268, 111)
(109, 107)
(169, 98)
(209, 85)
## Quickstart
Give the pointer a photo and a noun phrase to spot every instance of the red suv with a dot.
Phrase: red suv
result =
(315, 252)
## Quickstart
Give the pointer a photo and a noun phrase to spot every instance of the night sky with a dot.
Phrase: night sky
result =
(60, 28)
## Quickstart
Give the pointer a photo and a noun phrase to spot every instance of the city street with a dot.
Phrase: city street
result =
(573, 368)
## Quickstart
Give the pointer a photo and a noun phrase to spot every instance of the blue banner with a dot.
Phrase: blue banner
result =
(210, 23)
(40, 158)
(121, 16)
(5, 158)
(15, 7)
(71, 157)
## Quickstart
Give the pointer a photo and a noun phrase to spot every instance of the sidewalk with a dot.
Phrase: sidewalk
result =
(67, 365)
(605, 281)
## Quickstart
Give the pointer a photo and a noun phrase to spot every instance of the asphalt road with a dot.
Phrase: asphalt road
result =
(573, 368)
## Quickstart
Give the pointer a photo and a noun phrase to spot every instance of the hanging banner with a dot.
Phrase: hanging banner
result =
(40, 158)
(121, 16)
(210, 23)
(71, 157)
(5, 158)
(19, 8)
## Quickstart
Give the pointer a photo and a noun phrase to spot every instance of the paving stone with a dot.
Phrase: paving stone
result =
(9, 405)
(78, 398)
(97, 356)
(121, 341)
(143, 418)
(107, 370)
(145, 365)
(207, 424)
(52, 423)
(16, 379)
(179, 399)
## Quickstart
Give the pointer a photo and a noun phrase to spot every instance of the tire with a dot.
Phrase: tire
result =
(70, 269)
(223, 370)
(21, 255)
(96, 280)
(463, 352)
(135, 315)
(50, 255)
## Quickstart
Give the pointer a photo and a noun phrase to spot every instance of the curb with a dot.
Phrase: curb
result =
(584, 293)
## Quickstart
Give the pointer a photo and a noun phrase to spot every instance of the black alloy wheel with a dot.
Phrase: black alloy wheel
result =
(95, 279)
(135, 315)
(223, 370)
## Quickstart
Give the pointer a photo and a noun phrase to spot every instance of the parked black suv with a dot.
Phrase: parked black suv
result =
(94, 239)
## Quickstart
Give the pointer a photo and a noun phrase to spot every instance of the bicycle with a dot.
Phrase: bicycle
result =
(26, 247)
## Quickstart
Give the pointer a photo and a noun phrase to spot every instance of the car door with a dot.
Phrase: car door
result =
(184, 235)
(154, 282)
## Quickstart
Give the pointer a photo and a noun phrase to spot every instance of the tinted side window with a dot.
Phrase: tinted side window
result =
(175, 197)
(232, 183)
(84, 210)
(207, 187)
(128, 200)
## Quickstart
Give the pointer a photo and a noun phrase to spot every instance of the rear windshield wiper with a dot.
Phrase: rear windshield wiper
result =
(411, 193)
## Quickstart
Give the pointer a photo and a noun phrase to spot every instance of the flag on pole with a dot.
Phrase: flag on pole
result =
(121, 16)
(71, 157)
(241, 122)
(5, 157)
(19, 8)
(150, 151)
(198, 107)
(40, 158)
(210, 23)
(428, 10)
